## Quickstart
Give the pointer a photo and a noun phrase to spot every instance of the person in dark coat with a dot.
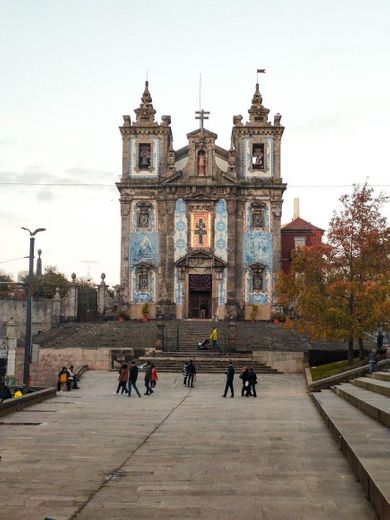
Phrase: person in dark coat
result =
(122, 379)
(133, 376)
(191, 371)
(148, 378)
(185, 373)
(252, 382)
(244, 377)
(229, 380)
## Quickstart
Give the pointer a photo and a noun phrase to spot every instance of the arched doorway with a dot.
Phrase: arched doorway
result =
(200, 296)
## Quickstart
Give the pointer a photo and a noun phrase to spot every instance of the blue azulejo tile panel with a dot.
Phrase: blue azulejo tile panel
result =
(140, 296)
(220, 230)
(180, 236)
(143, 247)
(257, 248)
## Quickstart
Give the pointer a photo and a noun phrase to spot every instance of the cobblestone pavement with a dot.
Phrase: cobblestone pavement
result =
(91, 454)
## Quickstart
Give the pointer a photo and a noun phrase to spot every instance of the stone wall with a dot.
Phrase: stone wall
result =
(286, 362)
(42, 314)
(51, 360)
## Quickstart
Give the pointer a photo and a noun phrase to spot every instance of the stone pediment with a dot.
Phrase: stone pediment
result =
(202, 133)
(200, 258)
(200, 196)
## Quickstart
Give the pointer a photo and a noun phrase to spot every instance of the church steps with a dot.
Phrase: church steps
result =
(374, 385)
(207, 366)
(365, 443)
(375, 405)
(384, 376)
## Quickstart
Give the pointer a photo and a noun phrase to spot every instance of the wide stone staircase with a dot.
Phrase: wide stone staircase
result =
(208, 363)
(358, 415)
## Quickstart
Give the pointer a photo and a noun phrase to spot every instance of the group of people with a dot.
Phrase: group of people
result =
(127, 379)
(68, 378)
(189, 374)
(249, 381)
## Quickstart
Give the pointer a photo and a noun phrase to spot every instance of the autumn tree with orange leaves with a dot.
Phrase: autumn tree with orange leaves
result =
(340, 289)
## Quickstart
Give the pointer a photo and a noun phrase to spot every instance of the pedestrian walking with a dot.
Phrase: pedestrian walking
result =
(185, 373)
(244, 378)
(122, 379)
(229, 380)
(252, 382)
(191, 371)
(154, 379)
(148, 378)
(133, 376)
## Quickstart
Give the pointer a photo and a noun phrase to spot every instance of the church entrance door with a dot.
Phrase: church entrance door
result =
(200, 303)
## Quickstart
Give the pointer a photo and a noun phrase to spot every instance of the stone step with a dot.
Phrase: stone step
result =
(384, 376)
(364, 442)
(375, 405)
(374, 385)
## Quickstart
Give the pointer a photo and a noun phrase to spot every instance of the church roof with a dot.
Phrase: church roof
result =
(299, 224)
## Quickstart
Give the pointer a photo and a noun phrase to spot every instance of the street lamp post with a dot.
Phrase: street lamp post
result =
(28, 341)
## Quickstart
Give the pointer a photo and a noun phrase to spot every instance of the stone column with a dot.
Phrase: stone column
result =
(102, 297)
(160, 334)
(56, 309)
(277, 144)
(11, 344)
(125, 230)
(231, 301)
(276, 208)
(232, 335)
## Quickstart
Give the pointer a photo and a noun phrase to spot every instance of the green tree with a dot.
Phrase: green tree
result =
(45, 286)
(341, 289)
(6, 287)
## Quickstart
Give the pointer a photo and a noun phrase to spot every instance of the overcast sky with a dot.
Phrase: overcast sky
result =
(70, 69)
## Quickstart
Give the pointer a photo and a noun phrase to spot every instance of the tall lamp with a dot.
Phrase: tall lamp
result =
(28, 341)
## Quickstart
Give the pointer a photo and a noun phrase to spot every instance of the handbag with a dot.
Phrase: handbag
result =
(63, 378)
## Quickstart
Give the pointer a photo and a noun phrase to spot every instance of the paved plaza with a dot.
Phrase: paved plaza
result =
(180, 453)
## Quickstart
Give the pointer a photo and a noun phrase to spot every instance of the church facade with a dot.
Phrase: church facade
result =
(200, 226)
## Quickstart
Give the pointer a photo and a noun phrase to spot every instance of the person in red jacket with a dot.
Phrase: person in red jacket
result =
(154, 379)
(122, 379)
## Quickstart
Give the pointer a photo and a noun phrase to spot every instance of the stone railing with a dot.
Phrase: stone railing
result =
(321, 384)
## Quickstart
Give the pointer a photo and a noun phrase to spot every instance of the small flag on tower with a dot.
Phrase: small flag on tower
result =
(261, 70)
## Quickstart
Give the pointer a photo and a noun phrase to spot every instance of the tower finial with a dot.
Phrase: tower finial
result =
(145, 112)
(258, 115)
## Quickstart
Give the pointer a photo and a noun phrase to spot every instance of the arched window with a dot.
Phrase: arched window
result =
(257, 277)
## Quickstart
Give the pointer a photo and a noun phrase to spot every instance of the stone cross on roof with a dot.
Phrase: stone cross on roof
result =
(202, 115)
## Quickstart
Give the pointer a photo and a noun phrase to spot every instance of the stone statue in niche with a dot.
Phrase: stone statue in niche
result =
(143, 217)
(258, 218)
(201, 163)
(144, 156)
(143, 281)
(257, 280)
(258, 156)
